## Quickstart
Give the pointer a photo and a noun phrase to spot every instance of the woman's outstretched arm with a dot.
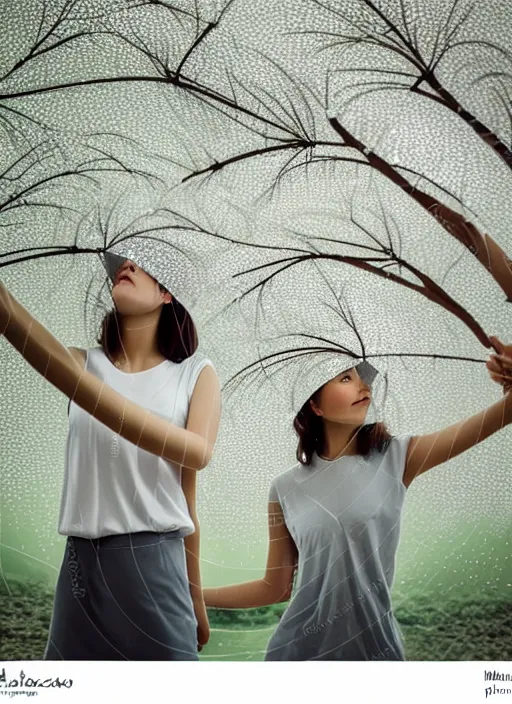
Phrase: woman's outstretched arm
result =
(427, 451)
(277, 583)
(129, 420)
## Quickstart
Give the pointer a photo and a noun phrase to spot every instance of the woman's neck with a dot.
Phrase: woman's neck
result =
(339, 440)
(138, 349)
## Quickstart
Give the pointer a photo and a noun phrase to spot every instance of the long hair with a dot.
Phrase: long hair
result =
(176, 333)
(310, 430)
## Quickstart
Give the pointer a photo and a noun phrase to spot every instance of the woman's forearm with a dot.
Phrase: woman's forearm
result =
(242, 596)
(192, 545)
(427, 451)
(138, 425)
(480, 426)
(52, 359)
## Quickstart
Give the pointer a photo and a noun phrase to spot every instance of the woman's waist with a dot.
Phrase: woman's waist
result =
(122, 530)
(90, 513)
(135, 539)
(338, 575)
(326, 599)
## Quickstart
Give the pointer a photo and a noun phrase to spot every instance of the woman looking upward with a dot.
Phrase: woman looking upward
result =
(143, 419)
(335, 517)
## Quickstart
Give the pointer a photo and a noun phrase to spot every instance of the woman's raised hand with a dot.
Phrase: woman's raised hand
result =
(499, 365)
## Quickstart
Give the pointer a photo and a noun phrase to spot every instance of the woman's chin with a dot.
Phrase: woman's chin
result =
(126, 308)
(352, 421)
(124, 302)
(130, 306)
(359, 418)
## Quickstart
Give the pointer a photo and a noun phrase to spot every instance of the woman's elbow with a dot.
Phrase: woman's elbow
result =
(285, 593)
(204, 456)
(280, 591)
(196, 458)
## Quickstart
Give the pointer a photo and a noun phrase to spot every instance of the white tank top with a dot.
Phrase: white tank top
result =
(112, 486)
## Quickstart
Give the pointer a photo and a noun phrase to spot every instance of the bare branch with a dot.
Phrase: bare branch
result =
(291, 144)
(288, 356)
(407, 48)
(481, 246)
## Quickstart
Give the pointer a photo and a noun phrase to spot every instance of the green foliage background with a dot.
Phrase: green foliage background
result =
(435, 627)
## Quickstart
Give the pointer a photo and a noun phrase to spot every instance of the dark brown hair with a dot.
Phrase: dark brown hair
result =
(310, 430)
(176, 333)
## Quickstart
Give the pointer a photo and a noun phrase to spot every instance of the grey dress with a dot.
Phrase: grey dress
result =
(344, 516)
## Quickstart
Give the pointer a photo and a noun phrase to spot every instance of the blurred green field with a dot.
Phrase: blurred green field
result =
(452, 596)
(435, 626)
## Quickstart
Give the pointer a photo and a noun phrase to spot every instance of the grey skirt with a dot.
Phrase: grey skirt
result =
(123, 597)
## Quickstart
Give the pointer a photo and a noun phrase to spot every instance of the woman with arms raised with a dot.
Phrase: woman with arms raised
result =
(143, 419)
(336, 516)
